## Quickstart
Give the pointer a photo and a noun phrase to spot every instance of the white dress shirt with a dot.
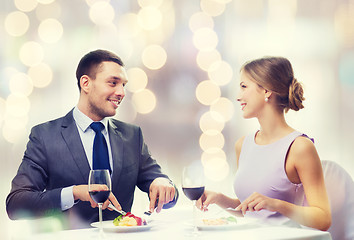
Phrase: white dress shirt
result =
(87, 136)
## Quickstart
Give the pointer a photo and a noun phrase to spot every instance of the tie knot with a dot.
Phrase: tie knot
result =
(97, 126)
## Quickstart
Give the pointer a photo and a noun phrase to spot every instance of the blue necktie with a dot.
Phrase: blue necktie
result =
(100, 151)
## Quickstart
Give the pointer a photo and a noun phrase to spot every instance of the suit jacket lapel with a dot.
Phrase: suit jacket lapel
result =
(117, 150)
(72, 138)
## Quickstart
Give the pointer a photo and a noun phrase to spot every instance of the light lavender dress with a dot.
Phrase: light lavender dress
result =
(262, 169)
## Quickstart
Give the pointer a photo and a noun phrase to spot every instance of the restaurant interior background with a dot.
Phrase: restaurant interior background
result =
(183, 59)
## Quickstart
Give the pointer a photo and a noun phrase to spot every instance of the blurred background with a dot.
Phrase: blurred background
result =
(183, 59)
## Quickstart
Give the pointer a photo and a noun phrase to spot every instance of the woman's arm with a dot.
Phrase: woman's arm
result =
(303, 156)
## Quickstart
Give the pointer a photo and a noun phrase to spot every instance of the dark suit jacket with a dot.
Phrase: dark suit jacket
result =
(55, 158)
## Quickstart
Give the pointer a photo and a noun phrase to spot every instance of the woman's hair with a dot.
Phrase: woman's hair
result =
(89, 63)
(275, 74)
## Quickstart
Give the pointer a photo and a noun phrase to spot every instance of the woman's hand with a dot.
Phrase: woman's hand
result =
(208, 197)
(257, 202)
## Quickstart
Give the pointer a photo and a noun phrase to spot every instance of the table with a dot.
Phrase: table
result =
(172, 224)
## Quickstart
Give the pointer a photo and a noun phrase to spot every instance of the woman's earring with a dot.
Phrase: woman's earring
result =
(266, 99)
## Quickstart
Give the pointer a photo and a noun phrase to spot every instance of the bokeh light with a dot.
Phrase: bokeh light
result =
(16, 23)
(50, 30)
(216, 169)
(41, 75)
(144, 101)
(45, 11)
(149, 3)
(137, 79)
(102, 13)
(17, 105)
(26, 5)
(205, 39)
(220, 72)
(211, 121)
(46, 1)
(128, 25)
(21, 84)
(200, 20)
(31, 53)
(211, 139)
(344, 23)
(212, 7)
(207, 92)
(154, 57)
(149, 18)
(224, 107)
(206, 58)
(213, 153)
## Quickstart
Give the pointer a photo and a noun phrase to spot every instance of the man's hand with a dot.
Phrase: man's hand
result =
(162, 189)
(80, 192)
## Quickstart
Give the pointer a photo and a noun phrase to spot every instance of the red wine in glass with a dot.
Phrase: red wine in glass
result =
(99, 187)
(193, 193)
(193, 188)
(100, 196)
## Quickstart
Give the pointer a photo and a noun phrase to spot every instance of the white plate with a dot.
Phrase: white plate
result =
(242, 223)
(110, 227)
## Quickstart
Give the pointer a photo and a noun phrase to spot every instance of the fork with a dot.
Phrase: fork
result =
(115, 209)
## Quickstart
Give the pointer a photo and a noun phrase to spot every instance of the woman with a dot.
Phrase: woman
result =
(277, 165)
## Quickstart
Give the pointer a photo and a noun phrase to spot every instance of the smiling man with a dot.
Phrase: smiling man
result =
(53, 175)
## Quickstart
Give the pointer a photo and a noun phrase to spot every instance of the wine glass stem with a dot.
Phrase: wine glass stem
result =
(195, 230)
(100, 217)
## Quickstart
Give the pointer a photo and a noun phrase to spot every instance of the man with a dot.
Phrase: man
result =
(54, 172)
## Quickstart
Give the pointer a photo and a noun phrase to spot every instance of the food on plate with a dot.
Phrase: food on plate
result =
(219, 221)
(128, 220)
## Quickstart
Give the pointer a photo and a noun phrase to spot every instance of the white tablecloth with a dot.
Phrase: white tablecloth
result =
(173, 224)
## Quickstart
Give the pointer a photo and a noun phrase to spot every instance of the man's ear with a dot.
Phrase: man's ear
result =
(85, 83)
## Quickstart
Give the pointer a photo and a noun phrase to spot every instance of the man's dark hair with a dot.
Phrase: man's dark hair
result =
(89, 63)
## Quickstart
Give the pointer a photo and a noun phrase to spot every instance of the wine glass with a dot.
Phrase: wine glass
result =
(193, 187)
(99, 186)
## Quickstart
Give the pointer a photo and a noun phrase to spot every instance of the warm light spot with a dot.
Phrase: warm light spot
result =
(213, 153)
(25, 5)
(16, 23)
(224, 107)
(344, 24)
(128, 25)
(207, 92)
(144, 101)
(2, 110)
(212, 7)
(206, 58)
(211, 139)
(31, 53)
(137, 79)
(211, 121)
(249, 8)
(216, 169)
(91, 2)
(282, 10)
(205, 39)
(17, 106)
(101, 13)
(149, 18)
(41, 75)
(200, 20)
(21, 84)
(149, 3)
(45, 11)
(154, 57)
(50, 30)
(45, 1)
(220, 72)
